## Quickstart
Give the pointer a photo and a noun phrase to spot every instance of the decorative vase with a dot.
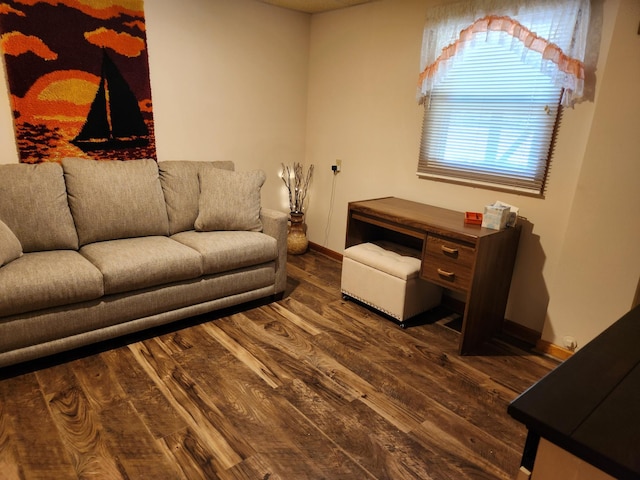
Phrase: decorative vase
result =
(297, 242)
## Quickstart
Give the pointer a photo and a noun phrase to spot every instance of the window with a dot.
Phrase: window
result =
(490, 121)
(492, 99)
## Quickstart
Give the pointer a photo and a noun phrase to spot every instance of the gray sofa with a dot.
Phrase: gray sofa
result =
(92, 250)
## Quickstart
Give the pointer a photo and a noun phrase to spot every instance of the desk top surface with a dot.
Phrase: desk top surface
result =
(590, 404)
(421, 216)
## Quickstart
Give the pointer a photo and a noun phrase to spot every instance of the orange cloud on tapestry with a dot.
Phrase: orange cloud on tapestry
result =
(78, 76)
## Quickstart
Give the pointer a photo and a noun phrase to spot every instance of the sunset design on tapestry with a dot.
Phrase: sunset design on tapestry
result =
(78, 76)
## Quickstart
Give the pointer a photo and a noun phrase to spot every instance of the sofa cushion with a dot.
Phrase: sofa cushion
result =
(181, 189)
(48, 279)
(134, 263)
(33, 204)
(114, 199)
(223, 251)
(10, 247)
(229, 200)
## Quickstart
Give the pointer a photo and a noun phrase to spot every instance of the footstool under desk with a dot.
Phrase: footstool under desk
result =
(385, 276)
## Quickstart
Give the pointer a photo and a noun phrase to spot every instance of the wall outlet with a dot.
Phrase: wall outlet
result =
(336, 167)
(570, 343)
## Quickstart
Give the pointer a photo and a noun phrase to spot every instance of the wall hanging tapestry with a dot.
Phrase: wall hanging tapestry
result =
(78, 76)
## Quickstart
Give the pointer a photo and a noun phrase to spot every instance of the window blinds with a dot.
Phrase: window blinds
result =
(491, 119)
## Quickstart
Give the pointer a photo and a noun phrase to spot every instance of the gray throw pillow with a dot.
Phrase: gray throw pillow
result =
(179, 179)
(229, 200)
(10, 247)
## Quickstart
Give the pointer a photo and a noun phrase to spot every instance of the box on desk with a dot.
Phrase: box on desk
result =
(496, 216)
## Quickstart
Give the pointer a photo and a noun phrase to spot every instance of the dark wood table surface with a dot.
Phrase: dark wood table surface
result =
(590, 404)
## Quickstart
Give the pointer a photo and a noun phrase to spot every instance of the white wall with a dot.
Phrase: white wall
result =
(363, 71)
(229, 82)
(599, 261)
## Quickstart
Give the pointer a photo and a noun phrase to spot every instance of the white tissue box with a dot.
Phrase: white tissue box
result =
(496, 216)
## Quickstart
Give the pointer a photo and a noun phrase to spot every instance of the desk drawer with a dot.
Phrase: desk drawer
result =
(448, 263)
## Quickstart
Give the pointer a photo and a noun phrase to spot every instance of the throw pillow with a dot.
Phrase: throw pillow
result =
(181, 187)
(10, 247)
(229, 200)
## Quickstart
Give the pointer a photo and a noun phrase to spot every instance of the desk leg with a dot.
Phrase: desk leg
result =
(530, 450)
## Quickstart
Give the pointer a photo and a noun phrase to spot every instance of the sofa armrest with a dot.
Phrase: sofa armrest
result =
(274, 224)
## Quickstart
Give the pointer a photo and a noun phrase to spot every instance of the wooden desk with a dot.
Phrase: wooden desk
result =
(589, 407)
(475, 261)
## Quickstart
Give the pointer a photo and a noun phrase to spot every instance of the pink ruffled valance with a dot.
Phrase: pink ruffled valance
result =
(549, 51)
(446, 38)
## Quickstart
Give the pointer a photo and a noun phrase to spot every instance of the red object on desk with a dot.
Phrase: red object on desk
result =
(473, 218)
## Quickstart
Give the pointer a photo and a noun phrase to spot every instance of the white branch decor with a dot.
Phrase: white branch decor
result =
(297, 183)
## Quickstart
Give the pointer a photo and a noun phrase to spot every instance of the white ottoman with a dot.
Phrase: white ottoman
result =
(384, 276)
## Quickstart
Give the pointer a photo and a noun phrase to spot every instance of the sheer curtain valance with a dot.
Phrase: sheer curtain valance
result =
(550, 34)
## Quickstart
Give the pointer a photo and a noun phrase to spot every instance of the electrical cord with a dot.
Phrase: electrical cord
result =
(333, 192)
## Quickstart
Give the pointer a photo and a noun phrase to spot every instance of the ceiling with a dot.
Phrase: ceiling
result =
(314, 6)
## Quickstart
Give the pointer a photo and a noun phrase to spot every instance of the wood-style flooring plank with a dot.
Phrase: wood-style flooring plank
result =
(255, 467)
(79, 424)
(30, 431)
(192, 403)
(248, 403)
(195, 459)
(290, 338)
(153, 408)
(243, 355)
(401, 386)
(123, 428)
(9, 462)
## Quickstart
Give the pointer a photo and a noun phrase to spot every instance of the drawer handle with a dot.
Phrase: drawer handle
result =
(447, 275)
(449, 250)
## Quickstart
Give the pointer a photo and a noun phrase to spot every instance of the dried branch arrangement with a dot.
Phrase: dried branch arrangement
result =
(297, 182)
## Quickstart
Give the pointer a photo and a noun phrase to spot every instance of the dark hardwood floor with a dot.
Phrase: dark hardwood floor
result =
(309, 387)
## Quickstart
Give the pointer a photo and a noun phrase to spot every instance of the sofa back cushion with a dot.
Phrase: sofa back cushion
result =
(115, 199)
(33, 204)
(10, 247)
(181, 189)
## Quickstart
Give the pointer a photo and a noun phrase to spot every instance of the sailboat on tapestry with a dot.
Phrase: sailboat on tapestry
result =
(81, 90)
(114, 120)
